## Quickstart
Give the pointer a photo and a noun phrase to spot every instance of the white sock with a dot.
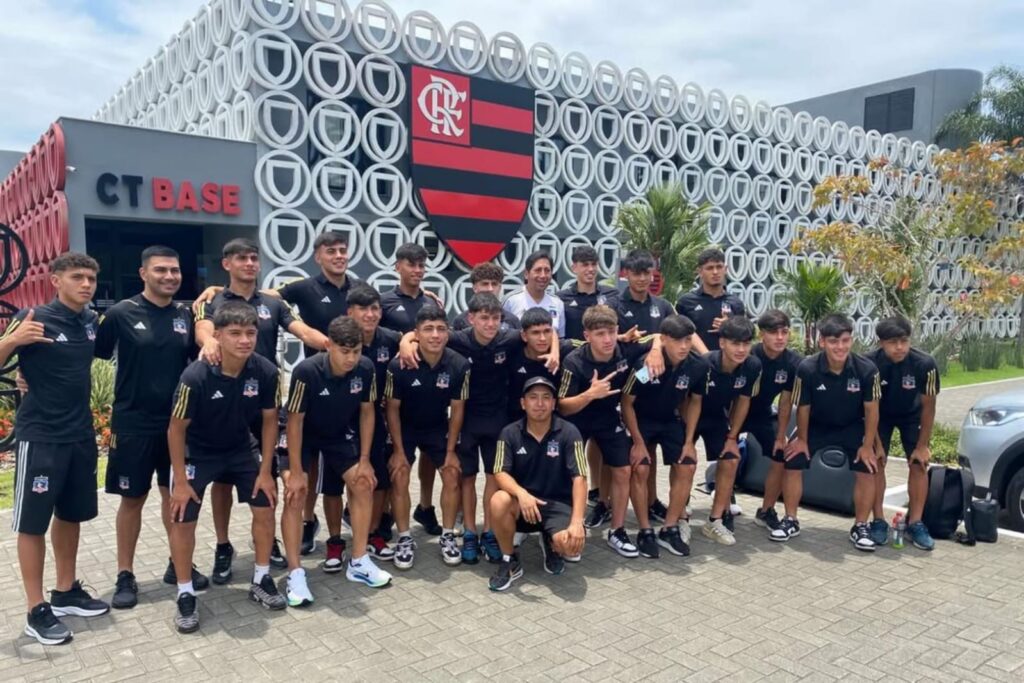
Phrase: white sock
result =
(506, 558)
(357, 561)
(297, 572)
(448, 531)
(404, 534)
(259, 571)
(185, 588)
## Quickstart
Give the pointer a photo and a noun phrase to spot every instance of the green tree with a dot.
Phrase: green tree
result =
(994, 113)
(670, 227)
(812, 291)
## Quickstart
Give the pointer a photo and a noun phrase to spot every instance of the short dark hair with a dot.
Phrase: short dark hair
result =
(430, 313)
(73, 259)
(534, 317)
(600, 316)
(834, 325)
(362, 294)
(413, 252)
(344, 331)
(329, 239)
(638, 261)
(532, 259)
(896, 327)
(158, 250)
(773, 320)
(240, 245)
(234, 313)
(677, 326)
(736, 328)
(486, 271)
(710, 255)
(584, 254)
(484, 302)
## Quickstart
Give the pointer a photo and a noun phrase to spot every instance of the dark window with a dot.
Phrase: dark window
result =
(890, 112)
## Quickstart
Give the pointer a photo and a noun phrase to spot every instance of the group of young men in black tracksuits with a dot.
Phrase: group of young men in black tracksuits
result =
(199, 401)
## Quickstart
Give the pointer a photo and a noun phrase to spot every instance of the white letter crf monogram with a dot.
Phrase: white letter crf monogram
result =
(439, 103)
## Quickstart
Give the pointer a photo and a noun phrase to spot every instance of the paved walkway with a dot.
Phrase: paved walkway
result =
(955, 402)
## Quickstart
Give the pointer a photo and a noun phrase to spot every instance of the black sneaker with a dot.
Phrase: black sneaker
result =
(647, 543)
(222, 559)
(729, 521)
(265, 593)
(598, 516)
(769, 519)
(45, 627)
(427, 518)
(860, 537)
(277, 558)
(553, 562)
(670, 539)
(593, 495)
(384, 529)
(657, 511)
(309, 531)
(186, 617)
(619, 541)
(126, 591)
(506, 574)
(76, 602)
(199, 581)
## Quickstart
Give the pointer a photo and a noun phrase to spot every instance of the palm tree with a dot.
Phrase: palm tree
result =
(812, 292)
(671, 228)
(995, 113)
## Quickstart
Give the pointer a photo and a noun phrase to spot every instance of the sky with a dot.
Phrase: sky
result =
(67, 57)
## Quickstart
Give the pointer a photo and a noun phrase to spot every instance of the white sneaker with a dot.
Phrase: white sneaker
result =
(405, 552)
(685, 530)
(450, 552)
(717, 532)
(298, 591)
(735, 509)
(365, 571)
(620, 542)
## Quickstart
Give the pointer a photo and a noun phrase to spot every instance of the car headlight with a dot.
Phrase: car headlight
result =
(993, 417)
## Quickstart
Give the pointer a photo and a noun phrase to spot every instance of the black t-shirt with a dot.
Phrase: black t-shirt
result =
(777, 376)
(426, 392)
(154, 345)
(508, 322)
(56, 407)
(904, 383)
(488, 384)
(221, 408)
(577, 303)
(721, 388)
(319, 302)
(646, 315)
(578, 371)
(330, 402)
(836, 401)
(521, 368)
(545, 468)
(659, 399)
(272, 315)
(380, 351)
(398, 310)
(702, 309)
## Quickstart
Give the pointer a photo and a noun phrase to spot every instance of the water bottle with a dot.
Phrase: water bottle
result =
(899, 528)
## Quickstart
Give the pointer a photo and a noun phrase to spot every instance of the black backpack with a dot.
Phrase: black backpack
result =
(950, 501)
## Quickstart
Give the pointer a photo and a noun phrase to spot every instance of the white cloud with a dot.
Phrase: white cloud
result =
(60, 60)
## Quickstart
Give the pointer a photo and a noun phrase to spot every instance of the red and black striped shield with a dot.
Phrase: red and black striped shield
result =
(472, 159)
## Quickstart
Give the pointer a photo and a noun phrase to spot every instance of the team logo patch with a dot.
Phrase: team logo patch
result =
(726, 309)
(90, 332)
(621, 366)
(683, 382)
(180, 326)
(190, 471)
(263, 312)
(909, 382)
(740, 382)
(443, 380)
(40, 484)
(601, 300)
(655, 313)
(251, 388)
(472, 158)
(553, 449)
(124, 483)
(781, 376)
(499, 358)
(355, 385)
(853, 385)
(383, 355)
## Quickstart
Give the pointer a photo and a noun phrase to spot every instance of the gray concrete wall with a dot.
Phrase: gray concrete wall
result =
(9, 158)
(937, 93)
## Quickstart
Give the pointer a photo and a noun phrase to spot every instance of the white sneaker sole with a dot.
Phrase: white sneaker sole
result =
(863, 548)
(402, 564)
(623, 551)
(721, 540)
(668, 546)
(78, 612)
(299, 602)
(334, 569)
(29, 631)
(365, 580)
(452, 561)
(778, 539)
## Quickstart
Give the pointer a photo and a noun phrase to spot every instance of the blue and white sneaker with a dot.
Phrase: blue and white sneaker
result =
(489, 543)
(470, 548)
(919, 536)
(366, 572)
(879, 532)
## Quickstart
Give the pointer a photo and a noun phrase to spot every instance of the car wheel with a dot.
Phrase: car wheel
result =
(1015, 500)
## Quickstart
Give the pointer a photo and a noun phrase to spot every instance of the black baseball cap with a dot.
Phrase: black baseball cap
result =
(538, 381)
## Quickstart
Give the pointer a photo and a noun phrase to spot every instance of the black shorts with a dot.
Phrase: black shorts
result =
(909, 428)
(614, 443)
(433, 445)
(239, 470)
(477, 443)
(713, 433)
(554, 517)
(764, 431)
(132, 461)
(848, 440)
(670, 435)
(333, 462)
(53, 479)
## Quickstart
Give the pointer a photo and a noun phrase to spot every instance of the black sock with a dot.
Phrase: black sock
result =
(713, 519)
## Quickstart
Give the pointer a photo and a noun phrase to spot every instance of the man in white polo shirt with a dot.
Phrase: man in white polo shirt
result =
(535, 295)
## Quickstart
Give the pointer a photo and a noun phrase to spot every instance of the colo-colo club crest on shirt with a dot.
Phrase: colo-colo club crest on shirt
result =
(472, 158)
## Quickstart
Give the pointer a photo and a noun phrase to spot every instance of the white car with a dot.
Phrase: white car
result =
(992, 445)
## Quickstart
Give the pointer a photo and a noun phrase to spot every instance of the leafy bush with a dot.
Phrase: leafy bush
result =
(811, 292)
(1015, 354)
(102, 395)
(971, 353)
(944, 441)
